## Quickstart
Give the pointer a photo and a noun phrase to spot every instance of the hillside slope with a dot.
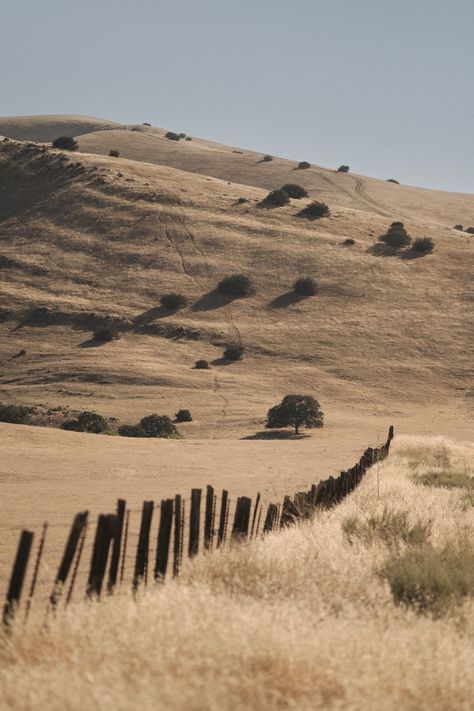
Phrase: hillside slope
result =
(46, 128)
(85, 237)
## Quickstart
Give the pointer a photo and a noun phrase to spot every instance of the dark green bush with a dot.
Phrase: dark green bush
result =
(235, 285)
(66, 143)
(172, 136)
(305, 286)
(183, 416)
(423, 245)
(294, 191)
(158, 426)
(114, 154)
(201, 365)
(343, 169)
(14, 414)
(173, 301)
(106, 333)
(276, 198)
(234, 352)
(392, 180)
(470, 230)
(86, 422)
(349, 242)
(131, 431)
(303, 165)
(188, 138)
(459, 227)
(267, 159)
(314, 211)
(182, 135)
(396, 236)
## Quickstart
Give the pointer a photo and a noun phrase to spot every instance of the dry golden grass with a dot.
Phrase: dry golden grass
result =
(299, 620)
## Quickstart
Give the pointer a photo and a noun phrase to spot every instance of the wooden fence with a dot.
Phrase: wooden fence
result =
(185, 526)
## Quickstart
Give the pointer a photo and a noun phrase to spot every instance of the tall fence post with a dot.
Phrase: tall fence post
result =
(164, 537)
(271, 518)
(17, 577)
(208, 517)
(100, 553)
(194, 522)
(178, 524)
(79, 521)
(254, 518)
(116, 546)
(222, 518)
(141, 560)
(36, 570)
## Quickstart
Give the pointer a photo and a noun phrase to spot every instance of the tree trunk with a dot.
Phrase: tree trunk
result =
(297, 429)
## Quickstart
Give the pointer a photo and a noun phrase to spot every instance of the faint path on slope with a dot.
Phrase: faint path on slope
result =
(360, 193)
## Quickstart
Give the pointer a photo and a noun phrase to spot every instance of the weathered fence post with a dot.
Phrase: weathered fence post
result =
(254, 517)
(164, 537)
(116, 546)
(76, 566)
(125, 541)
(78, 524)
(208, 517)
(36, 570)
(289, 513)
(222, 518)
(194, 522)
(141, 559)
(240, 527)
(100, 553)
(178, 524)
(271, 518)
(17, 577)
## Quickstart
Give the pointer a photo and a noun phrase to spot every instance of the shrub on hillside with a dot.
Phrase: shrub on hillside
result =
(396, 236)
(182, 135)
(183, 416)
(188, 138)
(459, 227)
(267, 158)
(343, 169)
(275, 198)
(131, 431)
(303, 165)
(66, 143)
(201, 365)
(172, 136)
(106, 333)
(114, 154)
(349, 242)
(234, 352)
(423, 245)
(314, 211)
(14, 414)
(86, 422)
(392, 180)
(158, 426)
(173, 301)
(470, 230)
(235, 285)
(305, 286)
(295, 411)
(294, 191)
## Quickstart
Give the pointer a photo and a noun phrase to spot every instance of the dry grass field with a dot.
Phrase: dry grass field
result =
(302, 619)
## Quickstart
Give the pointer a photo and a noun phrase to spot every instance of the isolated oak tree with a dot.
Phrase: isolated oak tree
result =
(295, 411)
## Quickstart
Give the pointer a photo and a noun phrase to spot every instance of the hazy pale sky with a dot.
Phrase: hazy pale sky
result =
(386, 86)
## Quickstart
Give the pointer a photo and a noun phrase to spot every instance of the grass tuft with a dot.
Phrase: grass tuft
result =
(445, 478)
(389, 527)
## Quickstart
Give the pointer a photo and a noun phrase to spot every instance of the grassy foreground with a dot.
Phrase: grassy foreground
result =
(368, 606)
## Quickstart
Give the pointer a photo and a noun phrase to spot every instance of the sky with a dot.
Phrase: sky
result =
(384, 86)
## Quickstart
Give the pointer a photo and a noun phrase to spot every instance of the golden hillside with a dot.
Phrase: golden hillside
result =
(85, 236)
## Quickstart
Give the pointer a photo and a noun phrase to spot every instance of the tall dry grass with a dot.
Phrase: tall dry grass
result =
(299, 620)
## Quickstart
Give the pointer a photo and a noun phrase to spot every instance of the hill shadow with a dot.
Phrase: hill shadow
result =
(285, 300)
(276, 434)
(212, 300)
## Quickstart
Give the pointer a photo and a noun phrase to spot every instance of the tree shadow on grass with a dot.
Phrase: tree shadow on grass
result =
(412, 254)
(223, 361)
(212, 300)
(276, 434)
(379, 249)
(151, 315)
(285, 300)
(92, 343)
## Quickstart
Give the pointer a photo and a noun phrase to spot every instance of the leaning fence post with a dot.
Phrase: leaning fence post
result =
(78, 524)
(103, 536)
(116, 546)
(222, 518)
(257, 501)
(141, 560)
(17, 577)
(36, 570)
(270, 518)
(194, 521)
(208, 517)
(178, 524)
(164, 537)
(125, 541)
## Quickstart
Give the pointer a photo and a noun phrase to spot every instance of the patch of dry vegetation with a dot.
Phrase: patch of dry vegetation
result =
(302, 619)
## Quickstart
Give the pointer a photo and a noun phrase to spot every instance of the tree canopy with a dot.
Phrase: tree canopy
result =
(295, 411)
